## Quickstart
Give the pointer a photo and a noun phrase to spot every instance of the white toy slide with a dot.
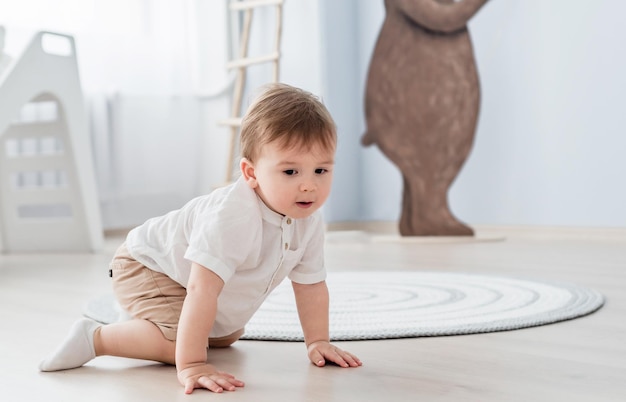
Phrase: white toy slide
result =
(48, 199)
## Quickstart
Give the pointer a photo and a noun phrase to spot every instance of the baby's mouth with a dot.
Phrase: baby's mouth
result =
(304, 204)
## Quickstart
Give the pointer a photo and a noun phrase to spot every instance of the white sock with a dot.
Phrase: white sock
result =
(76, 350)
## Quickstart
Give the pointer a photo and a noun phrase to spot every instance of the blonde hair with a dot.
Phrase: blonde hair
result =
(291, 116)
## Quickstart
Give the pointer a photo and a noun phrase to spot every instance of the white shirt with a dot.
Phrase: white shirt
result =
(234, 234)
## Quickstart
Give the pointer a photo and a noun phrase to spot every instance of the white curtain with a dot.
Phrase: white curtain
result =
(155, 85)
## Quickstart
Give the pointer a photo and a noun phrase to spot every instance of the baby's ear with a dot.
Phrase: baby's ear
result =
(248, 173)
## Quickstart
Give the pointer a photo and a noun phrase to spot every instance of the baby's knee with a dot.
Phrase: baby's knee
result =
(225, 341)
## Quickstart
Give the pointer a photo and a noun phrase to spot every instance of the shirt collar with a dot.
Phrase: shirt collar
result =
(268, 215)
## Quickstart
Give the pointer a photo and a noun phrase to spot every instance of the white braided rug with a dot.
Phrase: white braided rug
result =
(384, 305)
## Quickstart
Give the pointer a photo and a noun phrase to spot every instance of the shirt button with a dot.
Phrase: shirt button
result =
(286, 246)
(288, 221)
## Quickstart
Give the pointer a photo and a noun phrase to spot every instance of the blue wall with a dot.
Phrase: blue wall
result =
(550, 142)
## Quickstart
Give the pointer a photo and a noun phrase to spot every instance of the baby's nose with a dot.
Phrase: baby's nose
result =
(307, 186)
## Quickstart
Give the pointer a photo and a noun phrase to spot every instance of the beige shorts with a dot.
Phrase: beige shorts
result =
(153, 296)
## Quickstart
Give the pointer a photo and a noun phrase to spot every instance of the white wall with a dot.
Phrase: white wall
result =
(551, 128)
(156, 87)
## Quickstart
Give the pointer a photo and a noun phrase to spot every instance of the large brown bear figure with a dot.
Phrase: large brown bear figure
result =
(421, 105)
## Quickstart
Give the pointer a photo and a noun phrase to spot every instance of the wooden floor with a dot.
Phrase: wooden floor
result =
(579, 360)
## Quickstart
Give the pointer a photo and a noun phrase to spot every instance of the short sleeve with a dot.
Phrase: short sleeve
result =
(222, 238)
(311, 268)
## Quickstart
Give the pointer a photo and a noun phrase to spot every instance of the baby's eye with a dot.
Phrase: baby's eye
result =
(289, 172)
(321, 171)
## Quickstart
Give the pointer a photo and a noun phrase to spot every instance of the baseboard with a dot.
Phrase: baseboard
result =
(389, 227)
(534, 231)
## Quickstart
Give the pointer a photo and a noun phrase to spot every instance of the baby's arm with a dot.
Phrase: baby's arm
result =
(196, 320)
(312, 303)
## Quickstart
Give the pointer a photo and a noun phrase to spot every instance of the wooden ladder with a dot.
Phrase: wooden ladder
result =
(242, 62)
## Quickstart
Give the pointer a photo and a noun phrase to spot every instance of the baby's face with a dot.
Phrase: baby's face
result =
(293, 182)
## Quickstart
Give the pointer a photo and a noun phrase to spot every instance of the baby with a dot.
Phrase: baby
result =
(193, 278)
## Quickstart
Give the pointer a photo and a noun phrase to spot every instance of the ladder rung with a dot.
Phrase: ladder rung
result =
(244, 5)
(253, 60)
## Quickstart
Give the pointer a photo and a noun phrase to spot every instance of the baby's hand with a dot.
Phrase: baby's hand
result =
(322, 351)
(207, 376)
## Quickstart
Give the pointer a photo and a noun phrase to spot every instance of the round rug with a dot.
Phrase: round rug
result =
(385, 305)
